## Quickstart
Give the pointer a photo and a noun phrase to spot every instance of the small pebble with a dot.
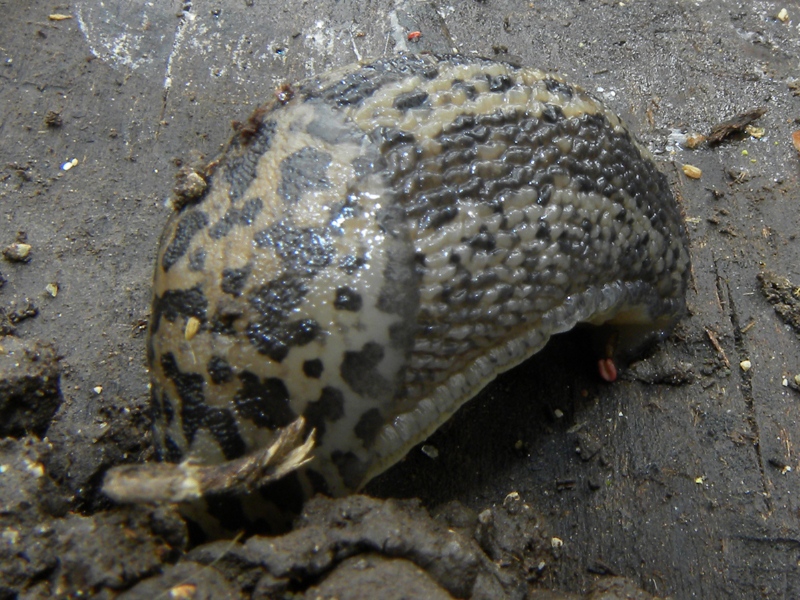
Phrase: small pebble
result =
(17, 252)
(745, 365)
(430, 451)
(756, 132)
(189, 185)
(53, 119)
(69, 164)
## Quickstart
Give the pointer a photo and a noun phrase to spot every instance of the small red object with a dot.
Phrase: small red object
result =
(607, 368)
(414, 36)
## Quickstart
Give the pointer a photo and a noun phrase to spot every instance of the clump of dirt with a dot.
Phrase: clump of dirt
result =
(353, 547)
(784, 297)
(48, 551)
(29, 387)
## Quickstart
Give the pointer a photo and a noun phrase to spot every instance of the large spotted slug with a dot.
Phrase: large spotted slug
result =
(374, 250)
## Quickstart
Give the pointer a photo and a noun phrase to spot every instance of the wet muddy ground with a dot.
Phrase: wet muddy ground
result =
(681, 477)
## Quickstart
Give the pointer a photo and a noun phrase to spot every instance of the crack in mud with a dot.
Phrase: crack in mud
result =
(746, 385)
(186, 16)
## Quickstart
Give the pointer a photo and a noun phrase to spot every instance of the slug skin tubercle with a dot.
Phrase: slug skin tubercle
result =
(380, 246)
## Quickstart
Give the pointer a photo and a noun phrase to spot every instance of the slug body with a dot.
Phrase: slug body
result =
(374, 251)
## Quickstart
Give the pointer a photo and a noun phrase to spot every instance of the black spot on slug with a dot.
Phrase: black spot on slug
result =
(277, 342)
(179, 303)
(552, 113)
(169, 410)
(355, 87)
(304, 171)
(196, 414)
(233, 280)
(313, 368)
(275, 299)
(329, 408)
(350, 468)
(189, 225)
(559, 87)
(436, 217)
(241, 168)
(243, 217)
(500, 83)
(483, 240)
(347, 299)
(430, 72)
(350, 264)
(274, 333)
(222, 426)
(408, 100)
(305, 251)
(388, 137)
(469, 88)
(345, 209)
(360, 371)
(264, 402)
(197, 260)
(368, 426)
(545, 192)
(223, 320)
(543, 231)
(219, 370)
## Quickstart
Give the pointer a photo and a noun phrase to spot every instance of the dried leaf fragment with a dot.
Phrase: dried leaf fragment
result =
(796, 140)
(187, 481)
(693, 140)
(723, 130)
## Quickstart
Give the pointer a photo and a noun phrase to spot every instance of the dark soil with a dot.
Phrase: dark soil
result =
(680, 480)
